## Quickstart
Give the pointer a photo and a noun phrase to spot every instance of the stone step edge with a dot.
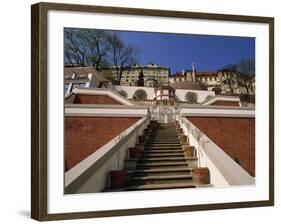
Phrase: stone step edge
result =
(141, 160)
(159, 151)
(162, 164)
(152, 154)
(157, 156)
(187, 158)
(162, 150)
(167, 177)
(160, 186)
(163, 147)
(187, 169)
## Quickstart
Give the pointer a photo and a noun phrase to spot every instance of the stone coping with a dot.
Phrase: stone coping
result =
(105, 106)
(199, 106)
(216, 111)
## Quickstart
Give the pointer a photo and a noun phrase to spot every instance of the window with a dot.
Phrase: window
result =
(77, 85)
(66, 86)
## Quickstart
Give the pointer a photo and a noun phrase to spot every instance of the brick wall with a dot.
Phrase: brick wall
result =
(226, 103)
(95, 99)
(85, 135)
(236, 136)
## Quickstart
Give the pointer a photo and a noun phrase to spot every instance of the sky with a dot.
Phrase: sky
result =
(179, 51)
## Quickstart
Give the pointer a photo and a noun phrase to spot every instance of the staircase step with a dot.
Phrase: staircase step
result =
(160, 186)
(162, 144)
(162, 160)
(163, 139)
(161, 179)
(154, 165)
(184, 176)
(151, 154)
(151, 159)
(160, 171)
(166, 133)
(162, 151)
(162, 147)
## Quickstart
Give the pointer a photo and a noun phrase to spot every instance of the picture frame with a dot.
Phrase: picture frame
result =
(40, 103)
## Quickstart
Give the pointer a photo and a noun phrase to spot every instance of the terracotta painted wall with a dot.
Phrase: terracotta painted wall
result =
(226, 103)
(95, 99)
(85, 135)
(236, 136)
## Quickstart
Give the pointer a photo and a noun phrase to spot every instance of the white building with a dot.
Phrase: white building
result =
(153, 75)
(77, 77)
(166, 92)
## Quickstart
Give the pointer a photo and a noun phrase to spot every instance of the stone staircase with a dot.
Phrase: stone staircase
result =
(162, 164)
(161, 160)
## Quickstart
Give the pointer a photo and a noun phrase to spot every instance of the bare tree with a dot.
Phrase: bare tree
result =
(75, 51)
(246, 66)
(245, 70)
(97, 46)
(229, 79)
(120, 55)
(246, 82)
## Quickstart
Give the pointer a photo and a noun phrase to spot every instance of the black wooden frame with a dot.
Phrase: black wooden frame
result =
(39, 109)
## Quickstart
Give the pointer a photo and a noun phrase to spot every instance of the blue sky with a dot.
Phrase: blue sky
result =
(178, 51)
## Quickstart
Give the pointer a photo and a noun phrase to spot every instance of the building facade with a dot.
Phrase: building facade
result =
(224, 82)
(83, 77)
(208, 78)
(183, 76)
(152, 75)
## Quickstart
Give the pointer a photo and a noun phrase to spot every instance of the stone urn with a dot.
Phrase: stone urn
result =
(134, 153)
(179, 131)
(147, 131)
(154, 124)
(183, 139)
(118, 178)
(142, 139)
(188, 151)
(201, 175)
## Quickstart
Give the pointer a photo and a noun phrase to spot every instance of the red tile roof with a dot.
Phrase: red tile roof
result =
(206, 74)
